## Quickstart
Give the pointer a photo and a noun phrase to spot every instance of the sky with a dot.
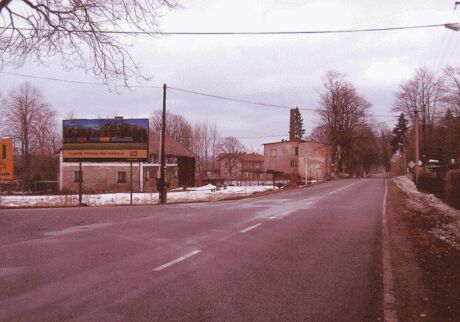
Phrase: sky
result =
(282, 69)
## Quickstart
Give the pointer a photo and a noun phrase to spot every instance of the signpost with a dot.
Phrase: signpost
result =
(6, 160)
(105, 140)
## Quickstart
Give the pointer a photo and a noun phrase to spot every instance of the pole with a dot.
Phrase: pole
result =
(163, 159)
(417, 147)
(80, 187)
(131, 183)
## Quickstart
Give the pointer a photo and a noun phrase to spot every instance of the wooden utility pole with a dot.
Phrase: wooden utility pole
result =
(162, 153)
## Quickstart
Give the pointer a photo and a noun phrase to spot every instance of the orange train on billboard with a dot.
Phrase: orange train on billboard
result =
(6, 159)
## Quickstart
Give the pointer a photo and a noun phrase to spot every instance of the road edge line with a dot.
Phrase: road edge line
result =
(389, 300)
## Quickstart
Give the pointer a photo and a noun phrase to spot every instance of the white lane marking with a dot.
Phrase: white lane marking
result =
(273, 217)
(340, 189)
(389, 301)
(250, 228)
(180, 259)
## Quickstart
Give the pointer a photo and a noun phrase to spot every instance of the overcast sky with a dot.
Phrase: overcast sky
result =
(283, 70)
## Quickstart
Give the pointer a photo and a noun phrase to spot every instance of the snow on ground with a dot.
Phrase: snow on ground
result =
(427, 204)
(205, 193)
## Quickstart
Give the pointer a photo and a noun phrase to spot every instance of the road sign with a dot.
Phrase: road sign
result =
(411, 164)
(6, 159)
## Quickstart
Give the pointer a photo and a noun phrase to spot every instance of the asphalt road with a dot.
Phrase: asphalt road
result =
(310, 254)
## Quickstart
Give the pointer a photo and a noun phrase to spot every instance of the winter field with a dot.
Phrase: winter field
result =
(205, 193)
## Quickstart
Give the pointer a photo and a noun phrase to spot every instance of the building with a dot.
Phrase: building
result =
(237, 168)
(304, 159)
(116, 176)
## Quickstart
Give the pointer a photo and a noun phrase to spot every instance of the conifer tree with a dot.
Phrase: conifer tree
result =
(299, 130)
(399, 134)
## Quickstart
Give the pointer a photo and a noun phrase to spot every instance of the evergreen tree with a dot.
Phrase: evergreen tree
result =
(399, 134)
(298, 125)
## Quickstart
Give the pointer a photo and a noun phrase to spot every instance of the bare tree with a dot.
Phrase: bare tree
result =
(28, 118)
(229, 148)
(451, 94)
(421, 94)
(214, 139)
(341, 111)
(44, 131)
(200, 145)
(82, 33)
(177, 127)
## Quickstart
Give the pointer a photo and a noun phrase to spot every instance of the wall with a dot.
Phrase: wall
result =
(103, 177)
(285, 153)
(314, 161)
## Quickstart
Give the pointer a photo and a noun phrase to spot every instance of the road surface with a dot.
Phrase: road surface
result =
(309, 254)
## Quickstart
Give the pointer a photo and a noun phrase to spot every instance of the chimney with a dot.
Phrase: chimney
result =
(292, 124)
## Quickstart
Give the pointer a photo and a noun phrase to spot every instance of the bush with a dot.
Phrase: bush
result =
(453, 188)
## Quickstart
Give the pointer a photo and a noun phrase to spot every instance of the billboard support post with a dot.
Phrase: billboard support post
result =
(131, 190)
(80, 181)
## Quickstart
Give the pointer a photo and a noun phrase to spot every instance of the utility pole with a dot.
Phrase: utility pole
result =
(417, 147)
(162, 184)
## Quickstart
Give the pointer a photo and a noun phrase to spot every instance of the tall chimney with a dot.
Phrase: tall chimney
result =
(292, 124)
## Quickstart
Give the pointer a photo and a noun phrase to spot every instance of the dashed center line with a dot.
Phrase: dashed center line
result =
(250, 228)
(335, 191)
(180, 259)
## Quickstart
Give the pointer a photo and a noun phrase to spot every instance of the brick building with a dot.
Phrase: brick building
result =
(116, 176)
(306, 159)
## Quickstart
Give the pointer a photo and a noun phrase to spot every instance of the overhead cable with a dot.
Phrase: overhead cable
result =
(236, 33)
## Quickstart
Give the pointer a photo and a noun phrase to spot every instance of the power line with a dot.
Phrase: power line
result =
(236, 99)
(239, 33)
(71, 81)
(233, 99)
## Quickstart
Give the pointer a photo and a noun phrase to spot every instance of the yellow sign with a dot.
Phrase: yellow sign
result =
(105, 154)
(6, 159)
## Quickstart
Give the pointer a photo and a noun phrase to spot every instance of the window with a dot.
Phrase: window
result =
(77, 176)
(273, 152)
(3, 151)
(293, 163)
(296, 151)
(121, 176)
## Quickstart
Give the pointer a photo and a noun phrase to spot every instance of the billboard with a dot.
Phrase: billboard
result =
(105, 140)
(6, 159)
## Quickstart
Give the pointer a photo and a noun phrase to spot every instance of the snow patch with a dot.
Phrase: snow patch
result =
(204, 193)
(447, 230)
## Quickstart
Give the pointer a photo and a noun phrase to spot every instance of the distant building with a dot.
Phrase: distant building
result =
(304, 159)
(246, 166)
(116, 176)
(237, 168)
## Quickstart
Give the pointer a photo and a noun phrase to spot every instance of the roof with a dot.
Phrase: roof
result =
(172, 147)
(244, 156)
